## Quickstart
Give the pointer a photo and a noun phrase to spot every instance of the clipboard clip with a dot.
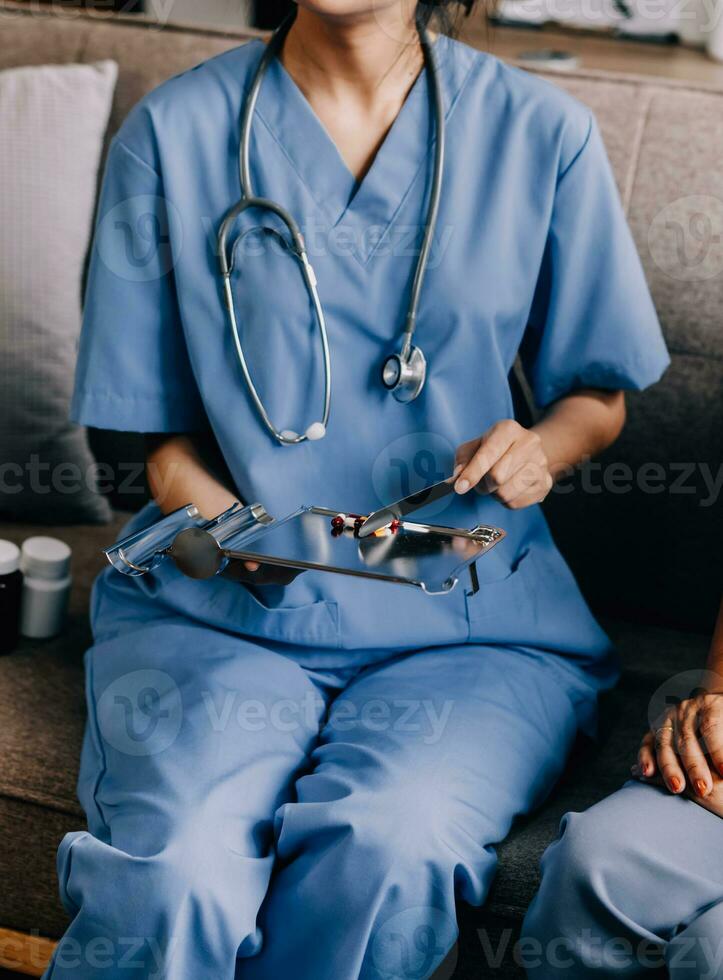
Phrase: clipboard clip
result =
(195, 543)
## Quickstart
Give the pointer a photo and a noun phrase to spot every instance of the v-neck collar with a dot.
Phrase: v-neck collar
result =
(369, 204)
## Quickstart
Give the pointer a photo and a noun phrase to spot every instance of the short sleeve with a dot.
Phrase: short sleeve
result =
(133, 369)
(592, 322)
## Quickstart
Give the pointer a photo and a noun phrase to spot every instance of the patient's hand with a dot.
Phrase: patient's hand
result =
(684, 750)
(714, 800)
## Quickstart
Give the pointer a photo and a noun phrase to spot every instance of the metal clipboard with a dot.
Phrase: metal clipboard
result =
(426, 556)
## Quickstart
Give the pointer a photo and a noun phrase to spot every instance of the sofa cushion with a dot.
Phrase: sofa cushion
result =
(53, 121)
(147, 54)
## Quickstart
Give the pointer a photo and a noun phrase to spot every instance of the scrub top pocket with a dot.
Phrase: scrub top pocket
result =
(232, 607)
(235, 608)
(505, 600)
(309, 623)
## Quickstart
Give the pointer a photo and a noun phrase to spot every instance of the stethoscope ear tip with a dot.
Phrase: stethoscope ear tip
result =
(316, 431)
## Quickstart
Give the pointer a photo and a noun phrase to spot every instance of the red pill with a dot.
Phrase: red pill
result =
(338, 521)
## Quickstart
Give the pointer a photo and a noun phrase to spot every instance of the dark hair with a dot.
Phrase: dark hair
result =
(445, 13)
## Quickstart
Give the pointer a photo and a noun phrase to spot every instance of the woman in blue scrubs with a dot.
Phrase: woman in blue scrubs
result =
(634, 886)
(299, 778)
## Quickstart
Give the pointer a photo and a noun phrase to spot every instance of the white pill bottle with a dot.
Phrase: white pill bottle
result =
(45, 564)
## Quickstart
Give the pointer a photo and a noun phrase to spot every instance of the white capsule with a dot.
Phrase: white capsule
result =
(316, 431)
(288, 435)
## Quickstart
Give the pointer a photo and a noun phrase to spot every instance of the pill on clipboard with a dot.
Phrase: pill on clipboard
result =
(347, 522)
(353, 522)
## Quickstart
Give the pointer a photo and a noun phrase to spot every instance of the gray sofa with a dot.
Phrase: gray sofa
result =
(643, 533)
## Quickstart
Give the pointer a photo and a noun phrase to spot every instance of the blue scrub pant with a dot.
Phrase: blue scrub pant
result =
(314, 824)
(632, 888)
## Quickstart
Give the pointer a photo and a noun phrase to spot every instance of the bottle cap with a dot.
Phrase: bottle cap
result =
(45, 558)
(9, 558)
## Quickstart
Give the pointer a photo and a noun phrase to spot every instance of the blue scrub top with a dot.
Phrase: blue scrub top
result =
(532, 254)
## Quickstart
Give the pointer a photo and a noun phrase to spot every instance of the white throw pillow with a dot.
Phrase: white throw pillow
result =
(53, 122)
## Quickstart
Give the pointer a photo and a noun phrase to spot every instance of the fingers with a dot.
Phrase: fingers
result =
(241, 571)
(711, 802)
(508, 461)
(529, 485)
(489, 449)
(273, 575)
(711, 729)
(255, 573)
(667, 760)
(646, 755)
(689, 748)
(686, 745)
(464, 454)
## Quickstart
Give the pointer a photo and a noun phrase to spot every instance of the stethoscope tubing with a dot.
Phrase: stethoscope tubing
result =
(299, 251)
(435, 194)
(298, 248)
(271, 51)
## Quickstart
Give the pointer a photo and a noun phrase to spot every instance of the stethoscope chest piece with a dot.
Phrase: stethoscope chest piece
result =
(404, 374)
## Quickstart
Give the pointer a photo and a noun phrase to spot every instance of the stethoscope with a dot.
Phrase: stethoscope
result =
(404, 373)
